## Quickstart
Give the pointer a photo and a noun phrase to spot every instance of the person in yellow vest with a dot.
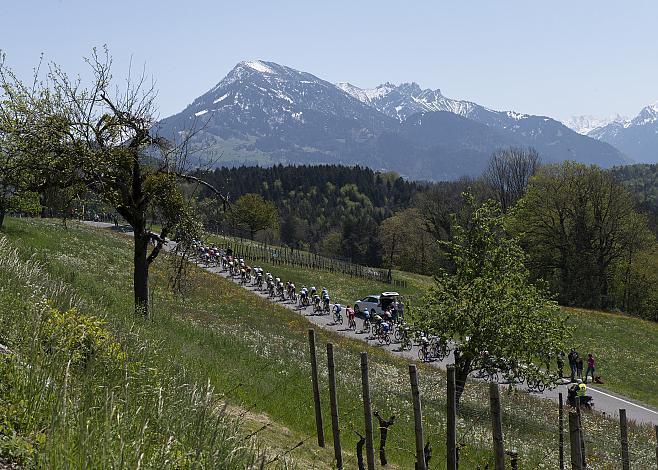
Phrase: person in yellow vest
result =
(582, 389)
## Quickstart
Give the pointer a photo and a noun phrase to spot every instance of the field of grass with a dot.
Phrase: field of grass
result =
(625, 347)
(254, 355)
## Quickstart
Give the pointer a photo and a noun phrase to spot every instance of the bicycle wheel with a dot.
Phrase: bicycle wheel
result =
(421, 355)
(387, 339)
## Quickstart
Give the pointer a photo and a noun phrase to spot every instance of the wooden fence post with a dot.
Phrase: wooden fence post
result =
(583, 453)
(497, 427)
(367, 411)
(333, 399)
(656, 429)
(561, 430)
(316, 387)
(418, 419)
(623, 427)
(574, 439)
(514, 459)
(451, 422)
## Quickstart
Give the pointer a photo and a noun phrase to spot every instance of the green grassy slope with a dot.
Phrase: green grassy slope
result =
(626, 348)
(254, 354)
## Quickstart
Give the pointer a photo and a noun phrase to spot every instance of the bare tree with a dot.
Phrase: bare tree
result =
(509, 172)
(119, 157)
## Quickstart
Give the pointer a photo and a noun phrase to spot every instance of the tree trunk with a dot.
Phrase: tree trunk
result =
(461, 374)
(2, 217)
(141, 273)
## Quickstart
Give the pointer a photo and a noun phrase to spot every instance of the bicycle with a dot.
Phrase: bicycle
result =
(405, 341)
(351, 324)
(338, 316)
(383, 337)
(536, 385)
(423, 353)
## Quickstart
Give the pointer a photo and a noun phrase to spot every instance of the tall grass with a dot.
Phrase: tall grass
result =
(138, 411)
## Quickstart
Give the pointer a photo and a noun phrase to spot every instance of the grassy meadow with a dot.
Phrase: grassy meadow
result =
(222, 366)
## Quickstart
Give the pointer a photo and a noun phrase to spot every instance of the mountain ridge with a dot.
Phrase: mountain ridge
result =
(264, 113)
(637, 137)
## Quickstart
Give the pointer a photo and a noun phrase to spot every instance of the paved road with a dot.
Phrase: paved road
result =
(604, 401)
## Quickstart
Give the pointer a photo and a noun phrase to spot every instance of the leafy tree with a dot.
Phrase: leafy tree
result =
(406, 244)
(253, 213)
(28, 134)
(578, 223)
(102, 136)
(488, 307)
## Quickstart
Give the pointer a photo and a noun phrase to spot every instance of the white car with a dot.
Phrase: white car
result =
(374, 302)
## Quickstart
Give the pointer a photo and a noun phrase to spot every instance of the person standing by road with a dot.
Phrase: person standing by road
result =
(590, 366)
(560, 364)
(573, 359)
(579, 367)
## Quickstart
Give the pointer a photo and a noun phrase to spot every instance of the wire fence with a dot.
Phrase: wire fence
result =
(474, 431)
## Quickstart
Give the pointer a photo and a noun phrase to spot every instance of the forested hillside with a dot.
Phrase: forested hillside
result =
(642, 182)
(331, 208)
(591, 259)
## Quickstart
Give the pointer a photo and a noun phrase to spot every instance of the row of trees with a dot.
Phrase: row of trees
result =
(579, 225)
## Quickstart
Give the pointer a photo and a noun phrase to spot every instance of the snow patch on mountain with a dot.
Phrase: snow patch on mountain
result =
(258, 66)
(221, 98)
(584, 124)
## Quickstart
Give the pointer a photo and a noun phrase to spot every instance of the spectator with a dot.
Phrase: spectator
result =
(560, 364)
(579, 367)
(573, 359)
(590, 366)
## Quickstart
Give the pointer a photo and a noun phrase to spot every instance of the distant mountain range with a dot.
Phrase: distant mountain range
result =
(265, 113)
(586, 123)
(636, 137)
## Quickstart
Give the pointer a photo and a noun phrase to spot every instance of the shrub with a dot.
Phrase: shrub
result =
(80, 338)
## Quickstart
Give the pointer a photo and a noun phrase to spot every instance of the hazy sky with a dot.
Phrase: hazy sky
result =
(555, 58)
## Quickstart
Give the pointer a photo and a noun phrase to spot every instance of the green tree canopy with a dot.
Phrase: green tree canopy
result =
(490, 310)
(253, 213)
(578, 224)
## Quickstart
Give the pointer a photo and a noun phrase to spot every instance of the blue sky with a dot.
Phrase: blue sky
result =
(554, 58)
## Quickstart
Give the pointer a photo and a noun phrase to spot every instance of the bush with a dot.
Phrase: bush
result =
(80, 338)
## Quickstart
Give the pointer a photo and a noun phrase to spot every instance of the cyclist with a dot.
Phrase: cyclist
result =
(291, 290)
(424, 346)
(325, 299)
(351, 323)
(313, 291)
(337, 315)
(316, 303)
(366, 319)
(303, 295)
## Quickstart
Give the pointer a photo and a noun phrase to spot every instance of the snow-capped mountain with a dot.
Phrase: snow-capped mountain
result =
(406, 99)
(551, 138)
(269, 104)
(637, 137)
(266, 113)
(585, 124)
